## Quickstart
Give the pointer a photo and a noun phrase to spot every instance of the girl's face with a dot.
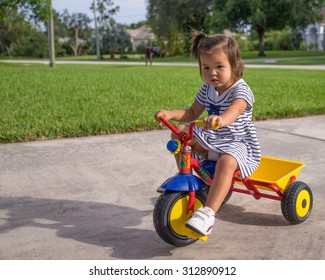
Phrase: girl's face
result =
(216, 70)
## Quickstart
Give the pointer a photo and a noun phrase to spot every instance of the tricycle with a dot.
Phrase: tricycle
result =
(275, 178)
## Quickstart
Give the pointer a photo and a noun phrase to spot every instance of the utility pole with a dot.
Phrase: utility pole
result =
(51, 38)
(96, 31)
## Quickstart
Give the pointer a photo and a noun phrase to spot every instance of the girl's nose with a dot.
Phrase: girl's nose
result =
(213, 72)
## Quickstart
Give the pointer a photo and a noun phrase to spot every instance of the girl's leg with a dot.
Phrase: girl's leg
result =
(202, 220)
(225, 168)
(196, 146)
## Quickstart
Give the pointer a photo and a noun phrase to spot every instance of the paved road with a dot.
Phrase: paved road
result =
(93, 197)
(247, 65)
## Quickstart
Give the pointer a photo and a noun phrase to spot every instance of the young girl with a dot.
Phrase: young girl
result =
(229, 102)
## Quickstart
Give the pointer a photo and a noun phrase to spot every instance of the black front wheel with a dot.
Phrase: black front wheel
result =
(169, 216)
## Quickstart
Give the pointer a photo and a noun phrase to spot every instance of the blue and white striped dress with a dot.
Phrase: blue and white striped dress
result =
(238, 139)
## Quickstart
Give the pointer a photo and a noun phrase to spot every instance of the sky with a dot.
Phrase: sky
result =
(131, 11)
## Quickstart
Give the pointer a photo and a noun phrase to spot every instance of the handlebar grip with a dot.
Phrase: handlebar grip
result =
(201, 123)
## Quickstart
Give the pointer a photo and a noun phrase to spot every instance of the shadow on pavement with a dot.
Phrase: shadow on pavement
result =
(94, 223)
(237, 214)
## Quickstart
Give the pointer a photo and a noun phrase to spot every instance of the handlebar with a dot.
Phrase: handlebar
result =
(170, 126)
(174, 146)
(201, 123)
(194, 123)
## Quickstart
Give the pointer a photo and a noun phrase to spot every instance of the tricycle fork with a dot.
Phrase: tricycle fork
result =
(191, 202)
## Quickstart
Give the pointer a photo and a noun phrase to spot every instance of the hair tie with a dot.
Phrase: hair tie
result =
(205, 35)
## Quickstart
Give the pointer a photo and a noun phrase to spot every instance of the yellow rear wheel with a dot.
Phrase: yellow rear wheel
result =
(297, 202)
(303, 203)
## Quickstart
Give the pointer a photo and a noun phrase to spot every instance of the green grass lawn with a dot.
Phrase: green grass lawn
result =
(282, 54)
(39, 102)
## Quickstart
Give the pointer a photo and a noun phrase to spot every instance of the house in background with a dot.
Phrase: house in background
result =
(141, 36)
(315, 35)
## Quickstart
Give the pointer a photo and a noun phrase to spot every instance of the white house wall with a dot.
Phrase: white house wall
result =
(314, 37)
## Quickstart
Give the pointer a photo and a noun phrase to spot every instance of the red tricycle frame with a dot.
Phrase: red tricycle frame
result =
(275, 175)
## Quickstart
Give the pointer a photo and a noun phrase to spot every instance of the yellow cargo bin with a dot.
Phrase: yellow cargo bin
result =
(276, 171)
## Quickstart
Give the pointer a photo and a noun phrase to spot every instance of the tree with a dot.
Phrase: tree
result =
(39, 10)
(19, 37)
(171, 20)
(267, 15)
(114, 38)
(76, 29)
(164, 21)
(104, 9)
(11, 31)
(263, 15)
(36, 9)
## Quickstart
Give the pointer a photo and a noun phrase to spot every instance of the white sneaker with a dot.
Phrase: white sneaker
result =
(201, 222)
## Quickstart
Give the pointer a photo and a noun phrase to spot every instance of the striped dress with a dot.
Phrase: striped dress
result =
(238, 139)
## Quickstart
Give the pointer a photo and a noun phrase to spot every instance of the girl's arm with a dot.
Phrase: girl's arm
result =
(186, 115)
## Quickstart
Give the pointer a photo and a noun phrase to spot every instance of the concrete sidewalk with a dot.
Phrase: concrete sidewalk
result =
(93, 197)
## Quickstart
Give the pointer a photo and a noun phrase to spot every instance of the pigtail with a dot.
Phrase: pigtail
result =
(233, 53)
(196, 38)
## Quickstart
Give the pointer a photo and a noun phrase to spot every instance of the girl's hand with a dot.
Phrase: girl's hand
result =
(211, 120)
(162, 113)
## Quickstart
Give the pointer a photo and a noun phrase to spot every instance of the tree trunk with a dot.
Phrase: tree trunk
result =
(51, 38)
(76, 43)
(8, 51)
(74, 49)
(261, 43)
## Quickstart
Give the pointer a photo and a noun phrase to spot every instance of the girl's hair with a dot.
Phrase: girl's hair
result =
(203, 44)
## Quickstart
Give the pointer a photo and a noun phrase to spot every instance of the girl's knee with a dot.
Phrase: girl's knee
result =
(181, 128)
(227, 161)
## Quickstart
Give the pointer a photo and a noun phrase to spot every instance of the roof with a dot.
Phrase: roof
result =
(141, 33)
